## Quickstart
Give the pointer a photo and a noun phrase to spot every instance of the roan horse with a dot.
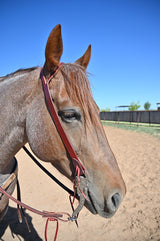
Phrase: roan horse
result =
(24, 118)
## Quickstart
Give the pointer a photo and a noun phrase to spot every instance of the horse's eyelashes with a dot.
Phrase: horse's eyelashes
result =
(69, 115)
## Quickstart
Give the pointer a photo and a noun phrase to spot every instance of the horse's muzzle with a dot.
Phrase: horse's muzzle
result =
(107, 208)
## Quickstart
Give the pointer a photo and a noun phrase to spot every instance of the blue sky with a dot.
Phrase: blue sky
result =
(124, 34)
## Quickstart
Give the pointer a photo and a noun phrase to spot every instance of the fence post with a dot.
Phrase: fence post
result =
(138, 114)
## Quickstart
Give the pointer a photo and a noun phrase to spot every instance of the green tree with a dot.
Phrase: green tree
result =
(105, 110)
(147, 105)
(108, 109)
(134, 106)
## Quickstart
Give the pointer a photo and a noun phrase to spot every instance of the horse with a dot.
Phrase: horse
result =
(24, 118)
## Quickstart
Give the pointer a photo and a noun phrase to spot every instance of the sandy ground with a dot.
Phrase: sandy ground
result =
(138, 217)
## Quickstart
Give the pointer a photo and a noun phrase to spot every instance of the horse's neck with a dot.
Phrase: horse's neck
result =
(16, 93)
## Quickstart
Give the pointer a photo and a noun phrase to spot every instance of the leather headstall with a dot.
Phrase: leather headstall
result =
(50, 106)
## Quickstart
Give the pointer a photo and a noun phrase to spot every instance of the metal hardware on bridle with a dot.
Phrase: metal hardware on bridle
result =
(81, 190)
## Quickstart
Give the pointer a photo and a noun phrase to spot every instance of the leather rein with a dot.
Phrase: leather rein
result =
(80, 182)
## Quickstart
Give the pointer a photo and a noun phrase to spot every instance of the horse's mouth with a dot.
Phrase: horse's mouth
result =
(89, 204)
(86, 198)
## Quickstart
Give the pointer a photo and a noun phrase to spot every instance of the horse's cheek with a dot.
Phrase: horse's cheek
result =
(42, 136)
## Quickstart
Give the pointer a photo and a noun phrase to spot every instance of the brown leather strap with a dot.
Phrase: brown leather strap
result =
(45, 214)
(55, 118)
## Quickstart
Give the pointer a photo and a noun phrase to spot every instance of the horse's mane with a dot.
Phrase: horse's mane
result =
(78, 89)
(17, 72)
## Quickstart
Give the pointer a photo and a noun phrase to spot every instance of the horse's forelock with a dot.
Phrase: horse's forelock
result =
(79, 91)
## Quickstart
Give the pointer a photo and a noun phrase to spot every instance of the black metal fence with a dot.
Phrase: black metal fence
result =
(151, 116)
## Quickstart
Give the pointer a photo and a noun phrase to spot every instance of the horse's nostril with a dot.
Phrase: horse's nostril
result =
(116, 199)
(113, 203)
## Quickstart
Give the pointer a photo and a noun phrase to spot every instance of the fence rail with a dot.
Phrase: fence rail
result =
(151, 116)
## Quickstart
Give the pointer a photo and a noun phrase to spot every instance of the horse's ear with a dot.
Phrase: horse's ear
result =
(54, 48)
(84, 60)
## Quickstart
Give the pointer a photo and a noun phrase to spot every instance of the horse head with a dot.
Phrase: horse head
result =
(79, 117)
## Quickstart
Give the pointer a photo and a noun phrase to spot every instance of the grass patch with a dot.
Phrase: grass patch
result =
(152, 129)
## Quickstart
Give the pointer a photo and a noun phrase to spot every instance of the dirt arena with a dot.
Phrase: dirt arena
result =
(138, 217)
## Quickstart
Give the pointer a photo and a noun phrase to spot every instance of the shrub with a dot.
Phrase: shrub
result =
(134, 106)
(105, 110)
(147, 105)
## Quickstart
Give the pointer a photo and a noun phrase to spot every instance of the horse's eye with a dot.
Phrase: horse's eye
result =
(69, 115)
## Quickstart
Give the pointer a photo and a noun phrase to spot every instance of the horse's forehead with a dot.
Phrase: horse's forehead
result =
(59, 93)
(58, 85)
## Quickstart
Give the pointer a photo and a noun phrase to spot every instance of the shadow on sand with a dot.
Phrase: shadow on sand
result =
(18, 230)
